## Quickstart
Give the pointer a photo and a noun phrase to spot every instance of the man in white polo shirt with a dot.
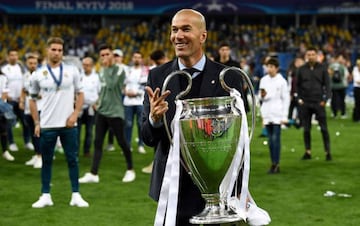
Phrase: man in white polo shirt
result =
(14, 71)
(62, 98)
(91, 91)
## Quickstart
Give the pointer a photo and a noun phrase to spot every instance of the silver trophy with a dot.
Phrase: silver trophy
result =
(209, 135)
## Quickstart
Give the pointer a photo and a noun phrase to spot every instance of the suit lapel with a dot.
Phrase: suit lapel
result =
(174, 83)
(209, 82)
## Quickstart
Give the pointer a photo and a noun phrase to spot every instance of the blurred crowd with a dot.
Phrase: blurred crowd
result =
(248, 41)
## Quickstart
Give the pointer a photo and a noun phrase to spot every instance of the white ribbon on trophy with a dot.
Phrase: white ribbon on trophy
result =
(242, 157)
(167, 204)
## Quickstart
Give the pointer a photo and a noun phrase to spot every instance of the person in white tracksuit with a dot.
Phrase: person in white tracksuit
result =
(275, 99)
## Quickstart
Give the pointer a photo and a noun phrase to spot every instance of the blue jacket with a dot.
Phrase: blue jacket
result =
(6, 111)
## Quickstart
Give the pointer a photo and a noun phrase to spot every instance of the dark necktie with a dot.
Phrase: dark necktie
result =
(196, 82)
(191, 71)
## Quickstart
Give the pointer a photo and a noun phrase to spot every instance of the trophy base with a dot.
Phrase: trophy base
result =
(215, 215)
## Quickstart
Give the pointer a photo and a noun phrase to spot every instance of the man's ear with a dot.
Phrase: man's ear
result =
(203, 37)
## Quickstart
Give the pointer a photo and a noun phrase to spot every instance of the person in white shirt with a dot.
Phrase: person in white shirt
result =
(275, 100)
(118, 58)
(31, 66)
(134, 96)
(91, 91)
(14, 71)
(356, 81)
(62, 98)
(3, 121)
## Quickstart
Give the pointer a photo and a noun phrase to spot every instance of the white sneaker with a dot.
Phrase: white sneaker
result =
(6, 155)
(77, 200)
(257, 216)
(141, 150)
(89, 178)
(38, 162)
(110, 147)
(13, 147)
(148, 169)
(44, 200)
(29, 146)
(32, 161)
(129, 176)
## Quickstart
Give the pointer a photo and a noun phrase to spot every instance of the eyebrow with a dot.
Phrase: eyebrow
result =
(54, 48)
(182, 26)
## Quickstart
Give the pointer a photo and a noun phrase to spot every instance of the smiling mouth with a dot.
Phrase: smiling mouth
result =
(180, 45)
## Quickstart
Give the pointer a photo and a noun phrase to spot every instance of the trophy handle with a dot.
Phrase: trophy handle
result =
(181, 94)
(249, 84)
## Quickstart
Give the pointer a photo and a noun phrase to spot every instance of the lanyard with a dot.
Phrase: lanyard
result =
(57, 82)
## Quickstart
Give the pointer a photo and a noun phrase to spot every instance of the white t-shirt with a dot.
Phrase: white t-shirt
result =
(26, 86)
(14, 80)
(135, 81)
(356, 76)
(91, 84)
(275, 105)
(57, 102)
(3, 81)
(124, 67)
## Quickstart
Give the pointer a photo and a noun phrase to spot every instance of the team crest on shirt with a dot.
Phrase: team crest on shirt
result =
(66, 75)
(45, 73)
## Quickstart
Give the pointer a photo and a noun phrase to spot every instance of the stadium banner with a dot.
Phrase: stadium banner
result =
(158, 7)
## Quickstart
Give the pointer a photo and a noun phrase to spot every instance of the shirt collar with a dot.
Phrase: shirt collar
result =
(200, 65)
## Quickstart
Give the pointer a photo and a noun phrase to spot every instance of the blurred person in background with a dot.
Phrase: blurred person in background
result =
(313, 86)
(274, 95)
(14, 72)
(119, 60)
(259, 72)
(339, 74)
(110, 114)
(134, 92)
(158, 57)
(356, 81)
(3, 120)
(91, 91)
(224, 55)
(118, 57)
(31, 66)
(294, 110)
(245, 66)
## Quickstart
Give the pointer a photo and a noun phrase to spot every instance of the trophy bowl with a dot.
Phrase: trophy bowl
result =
(209, 135)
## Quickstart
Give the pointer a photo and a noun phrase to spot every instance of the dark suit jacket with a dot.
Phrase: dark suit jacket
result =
(190, 200)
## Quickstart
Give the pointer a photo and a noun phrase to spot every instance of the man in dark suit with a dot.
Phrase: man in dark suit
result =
(188, 34)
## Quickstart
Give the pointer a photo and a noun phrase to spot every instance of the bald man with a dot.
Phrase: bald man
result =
(91, 90)
(188, 35)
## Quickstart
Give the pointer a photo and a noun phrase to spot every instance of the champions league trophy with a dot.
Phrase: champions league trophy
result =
(211, 147)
